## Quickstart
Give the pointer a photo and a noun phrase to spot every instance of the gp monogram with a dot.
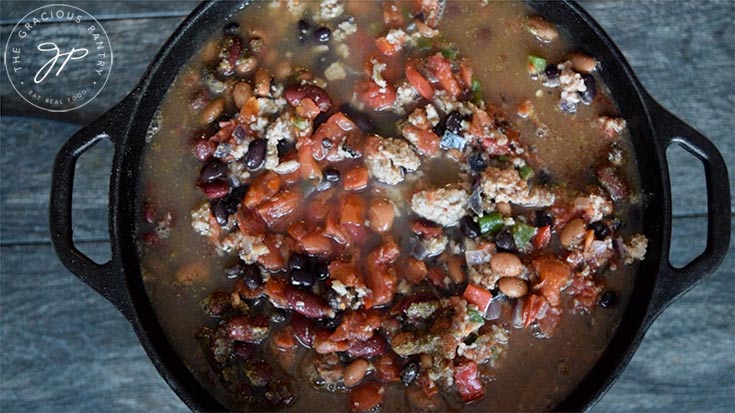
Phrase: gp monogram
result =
(52, 45)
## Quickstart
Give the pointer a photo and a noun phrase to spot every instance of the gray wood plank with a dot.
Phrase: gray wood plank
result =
(134, 43)
(66, 349)
(13, 11)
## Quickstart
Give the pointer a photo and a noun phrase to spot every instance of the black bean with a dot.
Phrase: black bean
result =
(279, 315)
(331, 324)
(256, 154)
(322, 34)
(331, 174)
(588, 95)
(285, 147)
(567, 106)
(344, 357)
(608, 299)
(302, 278)
(333, 299)
(251, 276)
(409, 373)
(213, 170)
(231, 29)
(302, 29)
(323, 185)
(454, 123)
(297, 262)
(219, 210)
(601, 230)
(235, 270)
(552, 73)
(320, 270)
(469, 227)
(543, 177)
(233, 199)
(418, 250)
(504, 241)
(477, 162)
(543, 218)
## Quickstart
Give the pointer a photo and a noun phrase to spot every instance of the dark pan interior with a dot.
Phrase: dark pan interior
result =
(197, 28)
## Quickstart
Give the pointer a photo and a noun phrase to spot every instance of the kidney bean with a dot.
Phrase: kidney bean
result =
(244, 350)
(233, 53)
(506, 264)
(294, 94)
(303, 329)
(215, 189)
(213, 170)
(256, 154)
(250, 329)
(306, 303)
(372, 347)
(612, 182)
(512, 287)
(355, 372)
(204, 149)
(366, 397)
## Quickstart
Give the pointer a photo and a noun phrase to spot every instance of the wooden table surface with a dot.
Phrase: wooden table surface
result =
(64, 348)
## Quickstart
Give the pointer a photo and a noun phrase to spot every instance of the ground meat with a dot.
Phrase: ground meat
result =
(506, 185)
(405, 95)
(487, 347)
(248, 248)
(335, 71)
(593, 206)
(388, 158)
(200, 220)
(445, 206)
(611, 126)
(330, 9)
(571, 84)
(483, 275)
(281, 129)
(635, 249)
(435, 245)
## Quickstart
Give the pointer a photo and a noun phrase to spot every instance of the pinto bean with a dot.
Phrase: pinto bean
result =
(355, 372)
(506, 264)
(504, 208)
(582, 63)
(212, 111)
(250, 329)
(294, 95)
(241, 93)
(544, 30)
(512, 287)
(572, 233)
(262, 82)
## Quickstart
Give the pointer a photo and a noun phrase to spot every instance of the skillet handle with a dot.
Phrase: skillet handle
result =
(106, 279)
(674, 282)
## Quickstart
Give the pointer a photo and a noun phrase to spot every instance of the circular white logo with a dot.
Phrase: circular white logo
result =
(58, 58)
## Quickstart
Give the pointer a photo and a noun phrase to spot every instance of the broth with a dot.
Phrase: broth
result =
(181, 268)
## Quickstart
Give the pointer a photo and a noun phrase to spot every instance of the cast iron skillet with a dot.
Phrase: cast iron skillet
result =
(653, 129)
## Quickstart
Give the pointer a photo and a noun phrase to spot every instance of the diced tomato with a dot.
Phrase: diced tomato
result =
(356, 179)
(278, 207)
(307, 109)
(386, 47)
(442, 69)
(465, 74)
(366, 396)
(554, 274)
(298, 230)
(430, 9)
(319, 207)
(323, 345)
(426, 141)
(437, 277)
(419, 82)
(547, 324)
(392, 14)
(316, 244)
(344, 272)
(308, 165)
(387, 368)
(478, 296)
(357, 325)
(414, 270)
(354, 210)
(374, 96)
(542, 237)
(468, 383)
(426, 229)
(284, 339)
(382, 284)
(387, 253)
(249, 223)
(428, 385)
(274, 260)
(334, 230)
(534, 308)
(275, 289)
(262, 188)
(250, 110)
